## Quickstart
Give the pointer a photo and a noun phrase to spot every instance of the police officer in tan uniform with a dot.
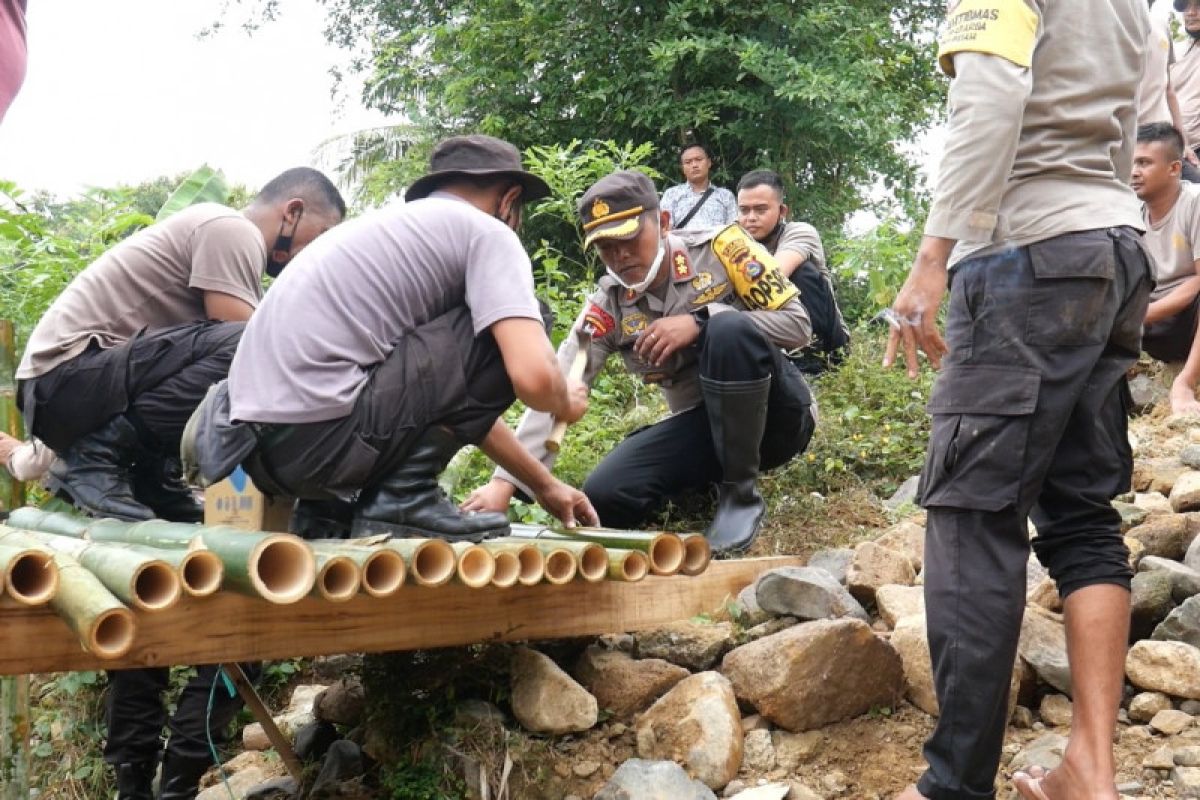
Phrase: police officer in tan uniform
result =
(1037, 231)
(702, 314)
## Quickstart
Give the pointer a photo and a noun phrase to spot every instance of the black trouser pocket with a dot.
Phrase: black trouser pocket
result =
(980, 428)
(1073, 288)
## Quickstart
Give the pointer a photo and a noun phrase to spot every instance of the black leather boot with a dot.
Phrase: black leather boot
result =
(409, 502)
(180, 779)
(134, 781)
(321, 519)
(158, 483)
(94, 472)
(737, 414)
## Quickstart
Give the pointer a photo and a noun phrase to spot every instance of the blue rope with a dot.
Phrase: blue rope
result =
(212, 748)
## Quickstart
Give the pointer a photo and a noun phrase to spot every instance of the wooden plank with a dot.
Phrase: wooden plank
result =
(261, 713)
(227, 627)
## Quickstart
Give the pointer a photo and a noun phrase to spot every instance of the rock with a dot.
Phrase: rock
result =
(254, 738)
(625, 685)
(1045, 595)
(698, 725)
(746, 609)
(617, 641)
(755, 722)
(1150, 602)
(816, 673)
(1162, 758)
(907, 493)
(343, 762)
(694, 645)
(639, 779)
(794, 749)
(313, 741)
(1182, 624)
(1157, 474)
(1045, 752)
(767, 628)
(1188, 756)
(1135, 548)
(1131, 515)
(282, 788)
(1146, 392)
(834, 561)
(1186, 781)
(545, 699)
(1190, 707)
(911, 641)
(758, 753)
(342, 703)
(874, 566)
(1022, 718)
(1185, 581)
(1056, 710)
(1164, 535)
(1152, 502)
(801, 792)
(1170, 722)
(1169, 667)
(1190, 456)
(733, 787)
(240, 783)
(806, 593)
(474, 713)
(907, 537)
(585, 769)
(329, 669)
(1043, 645)
(895, 602)
(771, 791)
(1145, 705)
(1191, 558)
(1185, 494)
(834, 782)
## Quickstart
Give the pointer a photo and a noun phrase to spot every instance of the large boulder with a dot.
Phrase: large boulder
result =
(906, 537)
(1144, 705)
(1182, 624)
(547, 700)
(1043, 645)
(1152, 502)
(874, 566)
(1185, 581)
(1185, 494)
(1157, 474)
(625, 685)
(342, 703)
(896, 602)
(1163, 535)
(816, 673)
(1150, 602)
(806, 593)
(834, 561)
(638, 779)
(694, 645)
(696, 724)
(1169, 667)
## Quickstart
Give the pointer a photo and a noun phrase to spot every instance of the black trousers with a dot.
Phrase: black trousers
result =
(1029, 420)
(157, 379)
(440, 374)
(661, 460)
(1171, 339)
(135, 714)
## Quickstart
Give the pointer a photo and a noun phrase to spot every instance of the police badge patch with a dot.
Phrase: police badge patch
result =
(633, 324)
(702, 281)
(599, 319)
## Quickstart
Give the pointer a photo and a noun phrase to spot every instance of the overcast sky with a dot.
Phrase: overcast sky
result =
(124, 91)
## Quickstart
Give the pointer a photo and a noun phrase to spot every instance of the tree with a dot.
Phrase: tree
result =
(825, 91)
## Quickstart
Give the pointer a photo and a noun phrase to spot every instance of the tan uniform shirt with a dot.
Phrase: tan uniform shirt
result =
(724, 270)
(1174, 241)
(153, 279)
(1152, 93)
(1042, 120)
(1185, 80)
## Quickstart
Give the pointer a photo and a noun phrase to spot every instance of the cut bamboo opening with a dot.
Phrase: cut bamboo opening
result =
(200, 572)
(476, 565)
(280, 568)
(508, 569)
(338, 578)
(110, 634)
(155, 586)
(431, 562)
(382, 573)
(532, 563)
(697, 554)
(560, 565)
(593, 562)
(627, 565)
(29, 576)
(664, 549)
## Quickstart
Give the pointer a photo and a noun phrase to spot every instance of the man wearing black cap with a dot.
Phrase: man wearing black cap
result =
(703, 314)
(383, 351)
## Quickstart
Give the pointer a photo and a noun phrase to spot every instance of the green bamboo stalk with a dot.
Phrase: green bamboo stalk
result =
(383, 569)
(664, 549)
(627, 565)
(532, 561)
(28, 575)
(12, 491)
(431, 562)
(338, 578)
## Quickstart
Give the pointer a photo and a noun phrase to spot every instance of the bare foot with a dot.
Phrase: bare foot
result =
(1037, 783)
(1029, 783)
(910, 793)
(1183, 399)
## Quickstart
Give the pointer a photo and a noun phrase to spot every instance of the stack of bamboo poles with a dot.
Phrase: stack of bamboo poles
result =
(93, 571)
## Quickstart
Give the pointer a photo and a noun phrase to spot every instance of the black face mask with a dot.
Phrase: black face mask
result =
(281, 252)
(1194, 34)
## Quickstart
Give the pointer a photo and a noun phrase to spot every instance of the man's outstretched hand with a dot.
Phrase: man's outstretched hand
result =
(913, 317)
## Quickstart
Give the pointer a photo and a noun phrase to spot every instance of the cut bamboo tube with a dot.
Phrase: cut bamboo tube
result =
(27, 575)
(697, 553)
(431, 562)
(533, 563)
(560, 564)
(278, 567)
(145, 582)
(200, 571)
(381, 569)
(475, 567)
(664, 549)
(338, 578)
(508, 568)
(627, 565)
(590, 560)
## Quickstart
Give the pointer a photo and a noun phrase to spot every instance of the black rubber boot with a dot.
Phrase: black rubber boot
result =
(158, 484)
(134, 781)
(94, 473)
(321, 519)
(737, 414)
(180, 779)
(409, 502)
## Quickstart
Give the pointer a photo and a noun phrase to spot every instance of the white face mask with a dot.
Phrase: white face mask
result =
(641, 285)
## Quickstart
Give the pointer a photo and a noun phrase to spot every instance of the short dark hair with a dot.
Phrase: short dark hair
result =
(762, 177)
(1163, 132)
(306, 183)
(691, 145)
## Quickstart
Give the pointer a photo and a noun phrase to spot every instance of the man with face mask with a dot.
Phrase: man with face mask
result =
(703, 314)
(428, 330)
(121, 358)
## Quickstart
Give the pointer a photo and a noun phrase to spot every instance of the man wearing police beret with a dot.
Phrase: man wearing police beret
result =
(703, 314)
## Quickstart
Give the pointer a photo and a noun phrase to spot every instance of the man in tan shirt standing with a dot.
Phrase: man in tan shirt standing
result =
(1185, 75)
(1037, 231)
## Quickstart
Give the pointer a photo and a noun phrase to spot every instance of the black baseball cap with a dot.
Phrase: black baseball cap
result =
(612, 207)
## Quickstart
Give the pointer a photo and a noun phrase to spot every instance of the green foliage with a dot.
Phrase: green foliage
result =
(67, 726)
(822, 91)
(205, 185)
(419, 780)
(870, 269)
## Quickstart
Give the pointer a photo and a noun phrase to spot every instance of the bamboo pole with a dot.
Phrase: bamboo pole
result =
(431, 562)
(532, 562)
(382, 570)
(666, 550)
(200, 571)
(508, 568)
(475, 567)
(338, 578)
(697, 553)
(627, 565)
(27, 575)
(146, 582)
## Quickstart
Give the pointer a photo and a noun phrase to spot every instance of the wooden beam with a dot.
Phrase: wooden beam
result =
(263, 715)
(229, 628)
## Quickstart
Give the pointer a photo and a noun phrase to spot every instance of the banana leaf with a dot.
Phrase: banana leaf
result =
(205, 185)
